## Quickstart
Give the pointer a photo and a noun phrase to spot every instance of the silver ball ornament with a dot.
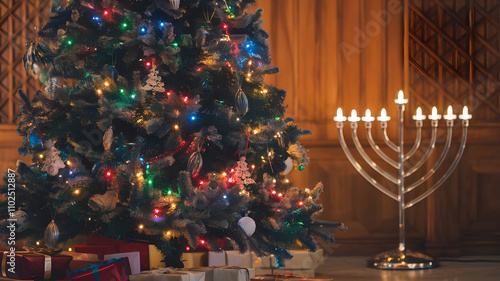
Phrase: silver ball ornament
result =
(289, 165)
(248, 225)
(21, 218)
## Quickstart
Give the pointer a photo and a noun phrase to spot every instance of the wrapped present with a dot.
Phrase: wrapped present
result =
(226, 273)
(80, 256)
(27, 266)
(168, 274)
(77, 264)
(302, 259)
(195, 259)
(99, 250)
(114, 269)
(155, 257)
(287, 276)
(231, 258)
(134, 260)
(295, 272)
(143, 250)
(95, 239)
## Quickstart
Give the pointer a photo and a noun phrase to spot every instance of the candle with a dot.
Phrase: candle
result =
(354, 117)
(383, 116)
(368, 116)
(465, 114)
(449, 114)
(339, 117)
(401, 98)
(419, 116)
(434, 115)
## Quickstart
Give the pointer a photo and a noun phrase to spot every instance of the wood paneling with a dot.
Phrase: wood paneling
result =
(350, 54)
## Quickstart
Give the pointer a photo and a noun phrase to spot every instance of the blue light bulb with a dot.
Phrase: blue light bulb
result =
(96, 18)
(193, 117)
(162, 24)
(143, 30)
(224, 196)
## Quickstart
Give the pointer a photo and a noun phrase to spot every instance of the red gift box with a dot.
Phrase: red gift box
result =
(143, 250)
(110, 270)
(27, 266)
(100, 250)
(95, 239)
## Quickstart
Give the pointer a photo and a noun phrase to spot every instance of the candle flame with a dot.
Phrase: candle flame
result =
(465, 111)
(419, 112)
(401, 95)
(450, 110)
(368, 113)
(354, 113)
(339, 112)
(434, 111)
(383, 113)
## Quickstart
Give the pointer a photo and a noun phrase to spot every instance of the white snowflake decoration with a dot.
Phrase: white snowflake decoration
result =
(154, 82)
(242, 174)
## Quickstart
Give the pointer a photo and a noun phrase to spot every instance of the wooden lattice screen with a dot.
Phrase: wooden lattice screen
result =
(19, 21)
(453, 55)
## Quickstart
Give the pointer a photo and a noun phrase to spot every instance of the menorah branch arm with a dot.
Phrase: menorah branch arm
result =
(445, 176)
(436, 166)
(358, 167)
(417, 141)
(427, 153)
(368, 159)
(378, 150)
(386, 138)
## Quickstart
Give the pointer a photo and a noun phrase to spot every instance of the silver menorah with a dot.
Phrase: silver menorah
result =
(402, 258)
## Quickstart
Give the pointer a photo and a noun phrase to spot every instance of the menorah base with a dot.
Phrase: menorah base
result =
(402, 260)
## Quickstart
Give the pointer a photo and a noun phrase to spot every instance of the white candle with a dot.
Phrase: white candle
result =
(419, 116)
(449, 114)
(354, 116)
(368, 116)
(339, 117)
(434, 115)
(401, 98)
(465, 114)
(383, 116)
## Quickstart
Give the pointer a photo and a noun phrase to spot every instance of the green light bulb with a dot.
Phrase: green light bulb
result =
(169, 192)
(124, 24)
(70, 42)
(150, 182)
(122, 91)
(132, 96)
(277, 118)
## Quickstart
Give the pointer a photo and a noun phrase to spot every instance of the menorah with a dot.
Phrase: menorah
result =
(402, 258)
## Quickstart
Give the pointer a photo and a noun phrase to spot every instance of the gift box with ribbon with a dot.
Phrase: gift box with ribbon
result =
(26, 266)
(231, 258)
(169, 274)
(286, 276)
(226, 273)
(113, 269)
(302, 259)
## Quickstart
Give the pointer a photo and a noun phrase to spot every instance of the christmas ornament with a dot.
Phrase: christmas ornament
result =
(108, 138)
(175, 4)
(53, 161)
(35, 139)
(20, 217)
(301, 167)
(154, 83)
(104, 202)
(51, 235)
(194, 164)
(248, 225)
(241, 102)
(242, 174)
(289, 165)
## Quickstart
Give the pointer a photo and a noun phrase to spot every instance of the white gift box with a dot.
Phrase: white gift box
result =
(134, 260)
(227, 273)
(231, 258)
(195, 259)
(302, 259)
(168, 274)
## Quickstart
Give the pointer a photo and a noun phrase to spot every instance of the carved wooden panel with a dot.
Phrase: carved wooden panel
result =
(19, 21)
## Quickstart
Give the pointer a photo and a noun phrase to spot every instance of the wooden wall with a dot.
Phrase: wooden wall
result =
(351, 54)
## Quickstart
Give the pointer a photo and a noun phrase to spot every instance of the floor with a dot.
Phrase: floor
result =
(477, 268)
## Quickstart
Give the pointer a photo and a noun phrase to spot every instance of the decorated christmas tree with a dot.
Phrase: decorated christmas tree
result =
(156, 125)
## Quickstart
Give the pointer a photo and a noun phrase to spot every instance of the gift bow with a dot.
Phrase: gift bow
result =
(47, 268)
(95, 268)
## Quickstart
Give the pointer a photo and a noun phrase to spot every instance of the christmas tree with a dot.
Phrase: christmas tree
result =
(156, 125)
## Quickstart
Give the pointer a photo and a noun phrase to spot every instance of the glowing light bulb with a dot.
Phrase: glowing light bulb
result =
(77, 191)
(157, 210)
(354, 116)
(465, 114)
(253, 166)
(106, 83)
(383, 116)
(202, 182)
(224, 174)
(176, 127)
(141, 226)
(368, 116)
(38, 243)
(68, 162)
(287, 180)
(40, 156)
(70, 249)
(301, 203)
(449, 114)
(434, 115)
(339, 117)
(224, 26)
(202, 242)
(273, 192)
(255, 131)
(419, 116)
(173, 206)
(99, 91)
(187, 248)
(106, 13)
(280, 194)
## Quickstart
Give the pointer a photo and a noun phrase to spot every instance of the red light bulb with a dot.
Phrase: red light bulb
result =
(199, 69)
(280, 194)
(187, 248)
(301, 203)
(106, 13)
(273, 192)
(185, 99)
(202, 242)
(224, 26)
(148, 64)
(157, 210)
(202, 182)
(230, 180)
